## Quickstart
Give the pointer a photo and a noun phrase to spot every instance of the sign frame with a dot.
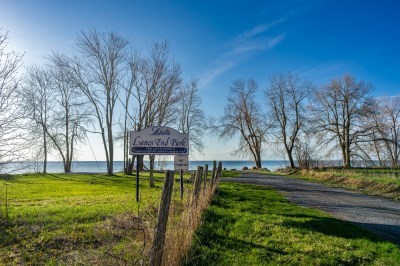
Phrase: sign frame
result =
(158, 141)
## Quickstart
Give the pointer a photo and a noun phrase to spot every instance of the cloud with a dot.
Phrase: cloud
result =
(243, 46)
(215, 72)
(257, 30)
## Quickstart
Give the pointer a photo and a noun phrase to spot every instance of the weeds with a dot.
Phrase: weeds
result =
(374, 182)
(91, 219)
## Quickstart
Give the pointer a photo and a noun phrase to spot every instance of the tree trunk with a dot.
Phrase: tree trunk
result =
(291, 161)
(45, 152)
(258, 159)
(110, 169)
(131, 163)
(141, 164)
(347, 163)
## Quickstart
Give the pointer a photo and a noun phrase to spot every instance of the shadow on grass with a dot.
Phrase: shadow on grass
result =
(243, 224)
(330, 227)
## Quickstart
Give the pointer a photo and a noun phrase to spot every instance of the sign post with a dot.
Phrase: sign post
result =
(137, 177)
(181, 163)
(157, 141)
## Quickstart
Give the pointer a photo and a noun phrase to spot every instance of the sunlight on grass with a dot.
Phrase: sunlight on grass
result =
(250, 225)
(76, 218)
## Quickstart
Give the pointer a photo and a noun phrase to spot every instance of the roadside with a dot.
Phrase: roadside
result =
(379, 182)
(255, 225)
(378, 215)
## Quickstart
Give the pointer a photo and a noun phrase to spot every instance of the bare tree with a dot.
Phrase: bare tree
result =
(390, 124)
(192, 117)
(70, 112)
(11, 137)
(338, 115)
(127, 118)
(242, 116)
(384, 132)
(37, 97)
(156, 82)
(99, 69)
(286, 97)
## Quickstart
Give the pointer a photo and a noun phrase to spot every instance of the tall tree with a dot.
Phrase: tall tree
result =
(37, 100)
(338, 112)
(156, 82)
(70, 112)
(390, 128)
(127, 117)
(384, 132)
(243, 117)
(11, 138)
(192, 117)
(99, 69)
(286, 97)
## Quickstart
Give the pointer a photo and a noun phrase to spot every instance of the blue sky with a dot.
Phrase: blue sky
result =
(220, 41)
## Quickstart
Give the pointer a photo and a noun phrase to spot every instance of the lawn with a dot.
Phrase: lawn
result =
(76, 218)
(253, 225)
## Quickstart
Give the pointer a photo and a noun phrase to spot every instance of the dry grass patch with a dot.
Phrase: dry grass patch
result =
(385, 186)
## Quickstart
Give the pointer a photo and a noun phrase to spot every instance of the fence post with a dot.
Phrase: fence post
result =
(192, 175)
(197, 184)
(214, 170)
(205, 177)
(219, 171)
(157, 248)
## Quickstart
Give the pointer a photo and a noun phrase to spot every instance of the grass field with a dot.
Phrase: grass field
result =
(77, 218)
(250, 225)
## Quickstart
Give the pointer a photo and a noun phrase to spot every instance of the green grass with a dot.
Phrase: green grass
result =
(230, 173)
(59, 218)
(251, 225)
(236, 173)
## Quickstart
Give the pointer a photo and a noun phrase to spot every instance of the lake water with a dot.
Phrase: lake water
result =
(100, 167)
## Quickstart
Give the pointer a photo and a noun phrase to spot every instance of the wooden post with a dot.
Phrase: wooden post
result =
(219, 170)
(181, 183)
(197, 184)
(137, 178)
(192, 175)
(157, 249)
(205, 176)
(214, 171)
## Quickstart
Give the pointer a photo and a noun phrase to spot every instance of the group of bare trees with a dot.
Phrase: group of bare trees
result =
(337, 121)
(242, 116)
(10, 62)
(105, 87)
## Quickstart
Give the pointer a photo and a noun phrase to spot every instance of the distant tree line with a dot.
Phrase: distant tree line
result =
(340, 120)
(105, 87)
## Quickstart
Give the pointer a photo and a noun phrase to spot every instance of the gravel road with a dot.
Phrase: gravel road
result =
(378, 215)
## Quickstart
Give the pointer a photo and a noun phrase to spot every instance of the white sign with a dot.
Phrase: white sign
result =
(181, 162)
(158, 140)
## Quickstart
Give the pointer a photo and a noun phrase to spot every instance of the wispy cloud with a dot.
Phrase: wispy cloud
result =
(215, 72)
(243, 46)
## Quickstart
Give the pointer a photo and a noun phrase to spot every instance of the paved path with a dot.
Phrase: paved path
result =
(378, 215)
